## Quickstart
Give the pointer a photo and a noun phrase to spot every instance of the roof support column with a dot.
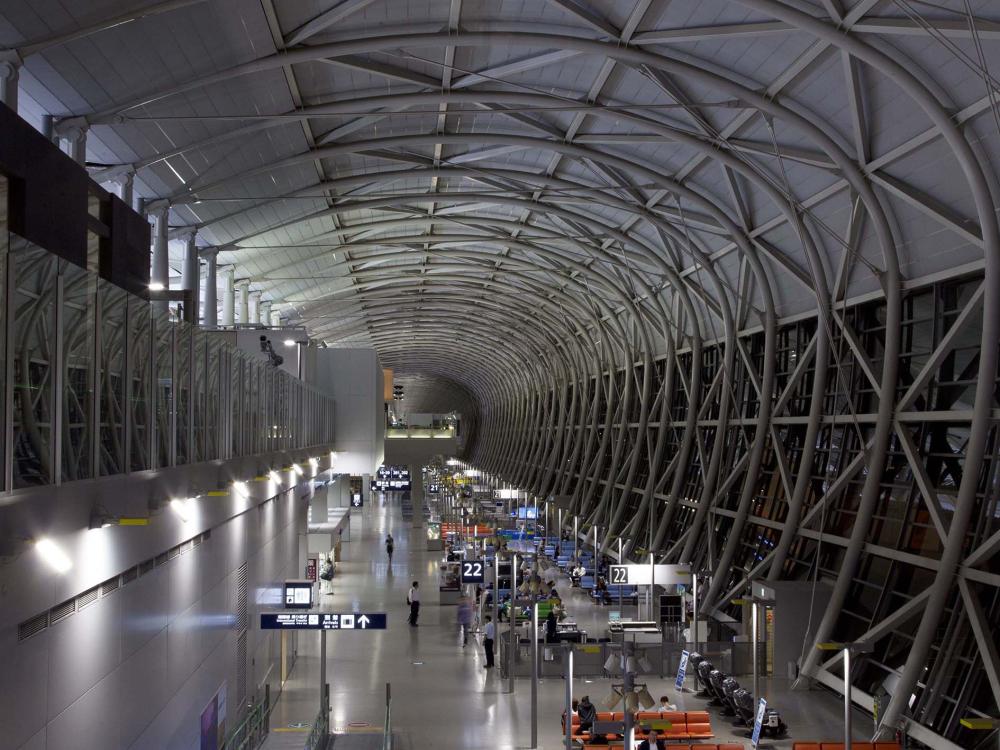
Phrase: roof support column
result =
(243, 301)
(229, 298)
(265, 313)
(275, 319)
(74, 144)
(255, 308)
(210, 319)
(190, 277)
(10, 69)
(124, 185)
(159, 277)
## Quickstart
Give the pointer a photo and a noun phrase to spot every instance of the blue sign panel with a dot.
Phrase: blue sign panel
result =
(758, 722)
(681, 671)
(323, 621)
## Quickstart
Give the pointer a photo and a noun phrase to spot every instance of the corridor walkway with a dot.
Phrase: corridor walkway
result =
(442, 696)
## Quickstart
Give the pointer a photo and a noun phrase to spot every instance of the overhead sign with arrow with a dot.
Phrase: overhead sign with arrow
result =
(323, 621)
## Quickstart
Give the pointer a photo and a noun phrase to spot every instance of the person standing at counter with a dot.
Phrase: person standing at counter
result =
(489, 632)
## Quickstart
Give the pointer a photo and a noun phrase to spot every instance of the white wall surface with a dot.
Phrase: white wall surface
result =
(135, 668)
(354, 378)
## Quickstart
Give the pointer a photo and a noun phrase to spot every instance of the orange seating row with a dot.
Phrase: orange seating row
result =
(685, 725)
(840, 746)
(720, 746)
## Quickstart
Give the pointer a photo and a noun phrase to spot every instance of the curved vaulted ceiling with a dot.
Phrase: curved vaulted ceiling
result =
(560, 205)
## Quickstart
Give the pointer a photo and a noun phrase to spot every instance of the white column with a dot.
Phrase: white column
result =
(275, 319)
(10, 66)
(190, 274)
(124, 184)
(265, 313)
(75, 144)
(255, 308)
(211, 317)
(159, 277)
(229, 298)
(243, 292)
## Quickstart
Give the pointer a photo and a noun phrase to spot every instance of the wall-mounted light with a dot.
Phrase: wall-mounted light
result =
(182, 508)
(297, 469)
(156, 286)
(241, 489)
(289, 342)
(273, 476)
(54, 556)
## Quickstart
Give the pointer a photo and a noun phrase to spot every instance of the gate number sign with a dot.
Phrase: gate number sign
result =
(472, 571)
(618, 574)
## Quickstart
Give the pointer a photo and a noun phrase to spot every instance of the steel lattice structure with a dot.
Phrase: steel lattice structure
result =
(726, 273)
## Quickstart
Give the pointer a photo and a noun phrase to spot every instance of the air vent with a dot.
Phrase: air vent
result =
(33, 626)
(110, 585)
(185, 546)
(206, 536)
(160, 559)
(62, 611)
(242, 614)
(88, 597)
(173, 552)
(147, 566)
(130, 575)
(241, 669)
(196, 541)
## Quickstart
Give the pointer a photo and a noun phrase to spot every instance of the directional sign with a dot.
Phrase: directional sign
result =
(473, 571)
(758, 722)
(356, 500)
(640, 575)
(323, 621)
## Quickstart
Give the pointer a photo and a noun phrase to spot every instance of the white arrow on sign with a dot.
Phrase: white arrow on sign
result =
(363, 621)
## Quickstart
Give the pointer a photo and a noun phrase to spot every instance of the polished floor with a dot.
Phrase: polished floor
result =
(442, 697)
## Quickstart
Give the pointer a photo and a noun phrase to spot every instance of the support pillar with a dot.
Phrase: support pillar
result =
(243, 301)
(75, 144)
(255, 308)
(159, 277)
(190, 277)
(211, 316)
(229, 298)
(265, 313)
(125, 190)
(10, 68)
(417, 494)
(275, 319)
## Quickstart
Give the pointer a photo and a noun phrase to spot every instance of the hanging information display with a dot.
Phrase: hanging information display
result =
(323, 621)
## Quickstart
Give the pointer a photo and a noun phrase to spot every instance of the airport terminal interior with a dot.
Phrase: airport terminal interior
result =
(495, 374)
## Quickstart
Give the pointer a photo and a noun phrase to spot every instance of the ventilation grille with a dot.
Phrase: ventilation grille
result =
(88, 597)
(241, 669)
(33, 626)
(242, 613)
(60, 612)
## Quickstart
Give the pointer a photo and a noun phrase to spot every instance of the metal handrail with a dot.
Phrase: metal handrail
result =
(253, 730)
(319, 733)
(387, 726)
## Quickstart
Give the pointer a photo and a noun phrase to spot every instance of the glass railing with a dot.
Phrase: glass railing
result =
(98, 382)
(387, 724)
(320, 732)
(253, 730)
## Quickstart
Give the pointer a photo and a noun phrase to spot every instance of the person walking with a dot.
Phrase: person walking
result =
(489, 632)
(413, 599)
(464, 617)
(326, 575)
(390, 545)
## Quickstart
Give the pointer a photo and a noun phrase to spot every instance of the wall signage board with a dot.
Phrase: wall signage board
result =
(298, 594)
(681, 671)
(323, 621)
(473, 571)
(758, 722)
(641, 575)
(311, 569)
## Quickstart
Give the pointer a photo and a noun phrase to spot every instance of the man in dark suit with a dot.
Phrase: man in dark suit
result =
(652, 742)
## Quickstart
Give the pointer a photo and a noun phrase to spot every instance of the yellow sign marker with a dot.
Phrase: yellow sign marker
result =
(979, 723)
(739, 602)
(830, 646)
(133, 522)
(218, 493)
(589, 649)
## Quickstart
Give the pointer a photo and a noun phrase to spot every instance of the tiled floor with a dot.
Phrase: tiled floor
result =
(442, 697)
